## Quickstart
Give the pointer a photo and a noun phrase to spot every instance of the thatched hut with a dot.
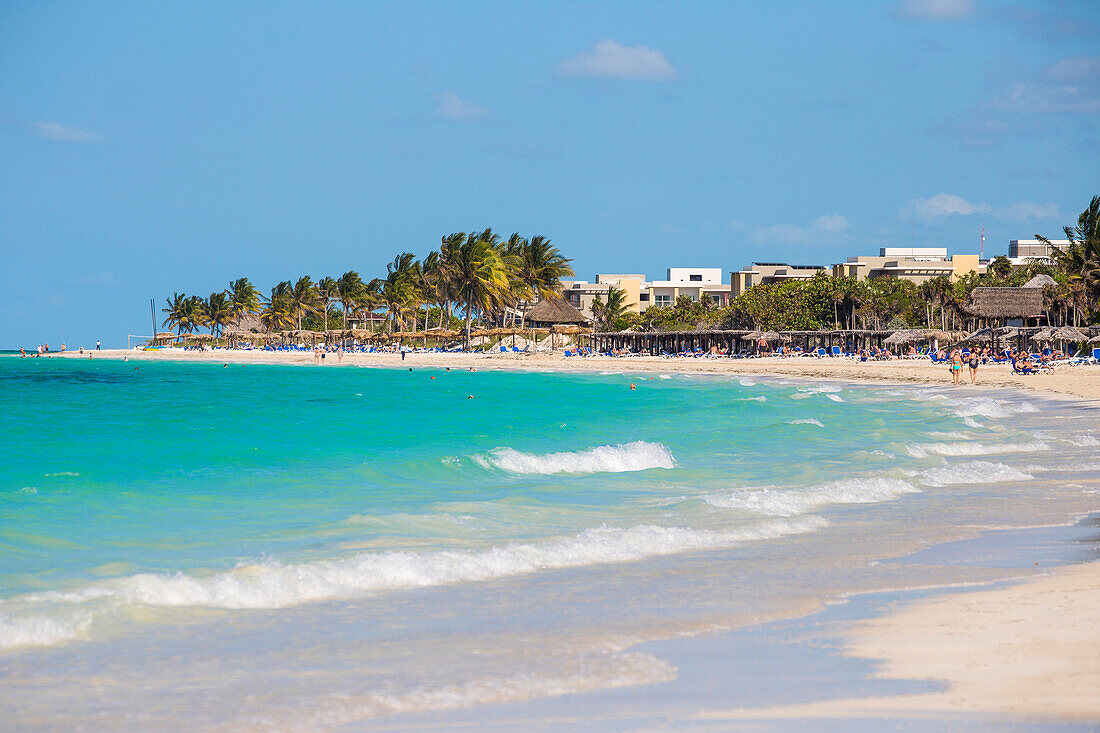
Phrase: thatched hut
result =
(554, 311)
(1040, 281)
(1005, 303)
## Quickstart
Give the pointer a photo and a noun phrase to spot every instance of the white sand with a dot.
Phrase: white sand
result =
(1030, 650)
(1079, 381)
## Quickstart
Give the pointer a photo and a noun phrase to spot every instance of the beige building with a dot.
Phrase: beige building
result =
(915, 264)
(769, 272)
(696, 283)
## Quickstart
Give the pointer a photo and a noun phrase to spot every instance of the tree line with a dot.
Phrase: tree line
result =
(825, 302)
(478, 273)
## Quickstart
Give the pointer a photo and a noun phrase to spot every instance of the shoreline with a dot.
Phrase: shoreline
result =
(1080, 382)
(981, 642)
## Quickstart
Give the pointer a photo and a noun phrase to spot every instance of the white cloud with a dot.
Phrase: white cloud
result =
(1023, 210)
(830, 223)
(937, 9)
(612, 60)
(826, 228)
(65, 133)
(940, 205)
(1069, 85)
(455, 108)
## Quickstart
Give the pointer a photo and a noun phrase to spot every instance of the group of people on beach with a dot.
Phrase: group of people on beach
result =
(320, 352)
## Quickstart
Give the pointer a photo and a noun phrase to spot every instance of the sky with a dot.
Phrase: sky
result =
(148, 148)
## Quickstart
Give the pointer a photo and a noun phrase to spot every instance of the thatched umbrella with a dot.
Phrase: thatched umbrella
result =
(1095, 340)
(1070, 333)
(1044, 335)
(773, 336)
(906, 336)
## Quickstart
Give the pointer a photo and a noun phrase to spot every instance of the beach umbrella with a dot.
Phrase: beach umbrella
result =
(1095, 340)
(1070, 333)
(1044, 335)
(772, 336)
(906, 336)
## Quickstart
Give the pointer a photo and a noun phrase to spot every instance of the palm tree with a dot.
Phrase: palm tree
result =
(1000, 267)
(478, 275)
(303, 298)
(185, 312)
(278, 313)
(328, 289)
(1080, 259)
(350, 290)
(219, 312)
(608, 313)
(399, 290)
(540, 268)
(244, 299)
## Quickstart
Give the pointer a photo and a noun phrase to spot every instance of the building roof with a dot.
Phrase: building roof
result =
(1040, 280)
(555, 310)
(1005, 302)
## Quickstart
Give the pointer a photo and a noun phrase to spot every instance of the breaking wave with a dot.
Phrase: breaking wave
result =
(790, 502)
(636, 456)
(923, 450)
(975, 472)
(271, 584)
(806, 421)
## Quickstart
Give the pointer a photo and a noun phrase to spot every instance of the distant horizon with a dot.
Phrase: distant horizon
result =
(174, 147)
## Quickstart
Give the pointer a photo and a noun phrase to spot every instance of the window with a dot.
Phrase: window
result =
(665, 300)
(643, 297)
(695, 278)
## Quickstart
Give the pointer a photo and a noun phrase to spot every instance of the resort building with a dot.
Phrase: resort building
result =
(1027, 251)
(770, 272)
(915, 264)
(696, 283)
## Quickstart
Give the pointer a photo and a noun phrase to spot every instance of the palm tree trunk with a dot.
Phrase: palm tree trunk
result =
(468, 318)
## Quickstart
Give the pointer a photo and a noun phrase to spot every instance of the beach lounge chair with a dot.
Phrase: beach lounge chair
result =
(835, 351)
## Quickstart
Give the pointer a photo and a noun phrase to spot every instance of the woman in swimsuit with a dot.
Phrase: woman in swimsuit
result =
(973, 362)
(956, 366)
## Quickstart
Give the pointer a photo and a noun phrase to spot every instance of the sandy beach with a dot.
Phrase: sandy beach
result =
(1029, 651)
(1078, 381)
(1024, 651)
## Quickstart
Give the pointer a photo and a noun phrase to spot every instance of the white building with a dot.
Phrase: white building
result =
(1027, 251)
(694, 282)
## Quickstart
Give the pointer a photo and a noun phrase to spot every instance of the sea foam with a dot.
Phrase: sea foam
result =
(790, 502)
(271, 584)
(975, 472)
(806, 421)
(923, 450)
(636, 456)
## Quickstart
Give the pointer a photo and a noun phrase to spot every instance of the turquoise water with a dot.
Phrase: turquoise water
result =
(351, 543)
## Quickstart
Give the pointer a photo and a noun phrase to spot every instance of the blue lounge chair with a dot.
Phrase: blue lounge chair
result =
(835, 351)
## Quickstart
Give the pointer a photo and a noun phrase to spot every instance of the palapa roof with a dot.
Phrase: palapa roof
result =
(1005, 302)
(555, 310)
(1039, 281)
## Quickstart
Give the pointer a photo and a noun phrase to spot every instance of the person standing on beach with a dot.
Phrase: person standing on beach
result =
(97, 344)
(956, 366)
(973, 362)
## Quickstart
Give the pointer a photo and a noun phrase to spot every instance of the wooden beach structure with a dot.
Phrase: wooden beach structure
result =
(732, 342)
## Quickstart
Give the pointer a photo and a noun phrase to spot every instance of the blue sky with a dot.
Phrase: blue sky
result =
(153, 147)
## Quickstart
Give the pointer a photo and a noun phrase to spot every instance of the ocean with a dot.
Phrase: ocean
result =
(197, 546)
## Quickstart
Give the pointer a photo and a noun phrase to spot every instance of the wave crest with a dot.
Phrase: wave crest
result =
(273, 584)
(790, 502)
(636, 456)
